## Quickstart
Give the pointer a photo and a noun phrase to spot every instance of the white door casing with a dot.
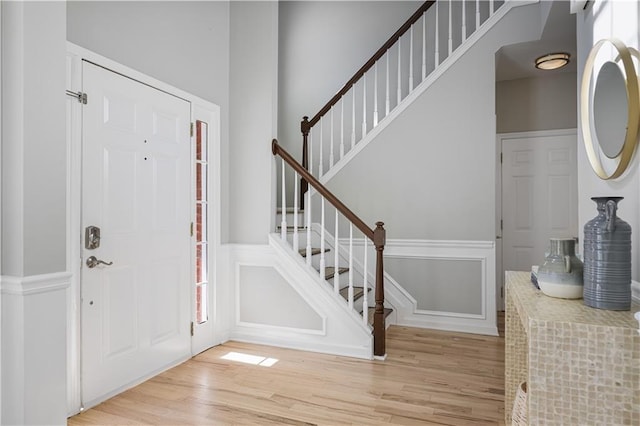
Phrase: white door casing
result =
(539, 195)
(136, 188)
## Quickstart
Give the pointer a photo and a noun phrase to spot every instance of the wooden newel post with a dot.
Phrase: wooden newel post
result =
(305, 127)
(379, 344)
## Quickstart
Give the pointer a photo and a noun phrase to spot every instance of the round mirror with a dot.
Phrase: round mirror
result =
(610, 109)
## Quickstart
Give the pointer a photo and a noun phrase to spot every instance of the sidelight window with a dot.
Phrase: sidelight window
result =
(201, 240)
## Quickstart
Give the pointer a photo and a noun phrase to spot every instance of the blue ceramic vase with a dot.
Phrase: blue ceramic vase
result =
(607, 258)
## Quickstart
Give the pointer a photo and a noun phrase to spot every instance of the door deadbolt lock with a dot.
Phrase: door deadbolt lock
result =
(93, 261)
(91, 237)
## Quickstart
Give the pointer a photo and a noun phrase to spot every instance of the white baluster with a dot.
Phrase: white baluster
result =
(437, 44)
(308, 209)
(342, 128)
(323, 265)
(387, 102)
(450, 28)
(283, 223)
(364, 105)
(491, 4)
(296, 178)
(350, 296)
(320, 154)
(375, 94)
(477, 14)
(353, 116)
(424, 46)
(365, 287)
(411, 59)
(310, 153)
(331, 157)
(464, 21)
(336, 259)
(399, 97)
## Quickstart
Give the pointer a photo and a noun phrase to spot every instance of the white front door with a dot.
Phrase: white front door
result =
(539, 195)
(136, 171)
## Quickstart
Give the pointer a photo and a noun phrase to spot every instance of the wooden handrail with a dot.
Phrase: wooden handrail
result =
(276, 149)
(367, 66)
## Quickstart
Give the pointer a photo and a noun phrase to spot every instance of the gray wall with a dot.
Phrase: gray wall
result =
(253, 103)
(185, 44)
(541, 103)
(431, 173)
(260, 284)
(33, 139)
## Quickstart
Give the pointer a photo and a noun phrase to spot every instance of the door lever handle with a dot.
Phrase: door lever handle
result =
(92, 262)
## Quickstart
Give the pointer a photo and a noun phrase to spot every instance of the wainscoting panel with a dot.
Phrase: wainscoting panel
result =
(278, 300)
(440, 285)
(451, 284)
(34, 348)
(262, 293)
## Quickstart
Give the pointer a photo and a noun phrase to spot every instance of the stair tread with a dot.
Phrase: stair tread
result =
(357, 292)
(387, 312)
(330, 271)
(314, 251)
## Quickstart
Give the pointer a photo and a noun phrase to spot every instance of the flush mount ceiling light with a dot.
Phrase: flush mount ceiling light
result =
(552, 61)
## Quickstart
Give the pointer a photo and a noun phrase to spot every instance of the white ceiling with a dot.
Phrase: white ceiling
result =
(559, 35)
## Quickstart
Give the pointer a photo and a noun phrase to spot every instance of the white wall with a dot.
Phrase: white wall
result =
(604, 19)
(182, 43)
(253, 119)
(431, 173)
(541, 103)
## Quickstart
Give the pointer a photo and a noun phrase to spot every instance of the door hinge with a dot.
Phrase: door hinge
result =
(191, 129)
(501, 224)
(80, 96)
(191, 328)
(191, 229)
(500, 158)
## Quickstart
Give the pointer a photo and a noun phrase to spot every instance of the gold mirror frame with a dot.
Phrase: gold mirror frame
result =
(633, 110)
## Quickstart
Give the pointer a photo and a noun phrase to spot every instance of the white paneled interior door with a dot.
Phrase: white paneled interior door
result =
(539, 195)
(136, 188)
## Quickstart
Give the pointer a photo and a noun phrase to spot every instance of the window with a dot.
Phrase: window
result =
(201, 240)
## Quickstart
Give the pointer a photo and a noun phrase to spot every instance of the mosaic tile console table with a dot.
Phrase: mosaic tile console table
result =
(581, 365)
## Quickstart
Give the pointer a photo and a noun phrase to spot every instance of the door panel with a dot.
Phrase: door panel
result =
(539, 196)
(136, 187)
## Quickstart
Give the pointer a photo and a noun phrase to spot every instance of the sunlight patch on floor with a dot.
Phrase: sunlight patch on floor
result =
(250, 359)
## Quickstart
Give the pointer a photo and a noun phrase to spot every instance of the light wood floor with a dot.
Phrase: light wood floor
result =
(429, 377)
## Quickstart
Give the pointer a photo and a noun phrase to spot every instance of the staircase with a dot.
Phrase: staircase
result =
(420, 52)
